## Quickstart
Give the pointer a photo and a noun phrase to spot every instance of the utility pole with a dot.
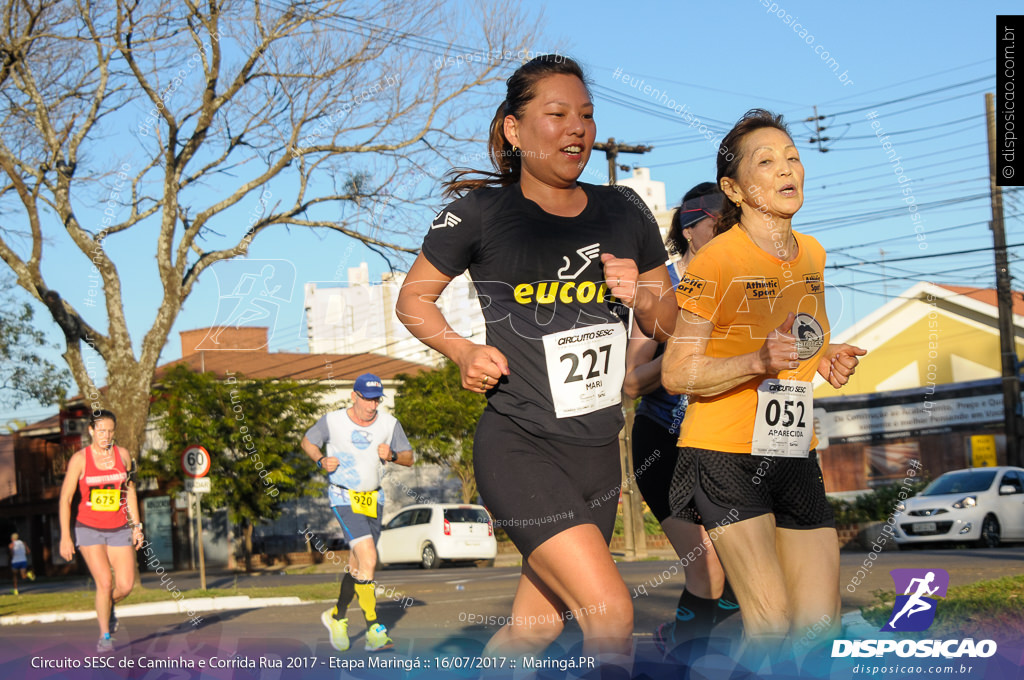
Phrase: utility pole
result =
(612, 149)
(818, 129)
(1004, 299)
(632, 504)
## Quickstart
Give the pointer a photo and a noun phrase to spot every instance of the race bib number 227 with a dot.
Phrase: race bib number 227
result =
(586, 367)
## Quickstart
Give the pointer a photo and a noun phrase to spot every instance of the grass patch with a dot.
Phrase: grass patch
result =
(985, 609)
(84, 600)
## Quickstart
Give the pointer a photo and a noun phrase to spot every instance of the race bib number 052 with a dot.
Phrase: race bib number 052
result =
(785, 419)
(586, 367)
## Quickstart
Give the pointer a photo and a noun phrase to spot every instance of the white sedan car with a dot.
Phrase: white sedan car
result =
(985, 505)
(434, 532)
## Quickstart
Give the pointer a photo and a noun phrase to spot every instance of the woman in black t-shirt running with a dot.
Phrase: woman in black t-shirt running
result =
(557, 265)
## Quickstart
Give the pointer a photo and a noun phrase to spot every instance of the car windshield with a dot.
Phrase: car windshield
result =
(465, 515)
(970, 481)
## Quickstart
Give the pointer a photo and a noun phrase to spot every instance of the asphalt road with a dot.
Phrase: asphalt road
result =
(431, 614)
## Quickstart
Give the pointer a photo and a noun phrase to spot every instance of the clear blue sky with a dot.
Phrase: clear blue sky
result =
(923, 67)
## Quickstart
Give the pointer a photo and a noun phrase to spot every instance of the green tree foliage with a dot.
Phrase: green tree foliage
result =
(877, 505)
(25, 376)
(440, 418)
(252, 430)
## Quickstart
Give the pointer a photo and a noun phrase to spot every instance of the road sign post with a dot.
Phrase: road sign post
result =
(195, 463)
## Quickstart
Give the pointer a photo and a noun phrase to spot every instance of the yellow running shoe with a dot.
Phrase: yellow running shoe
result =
(338, 629)
(377, 638)
(31, 575)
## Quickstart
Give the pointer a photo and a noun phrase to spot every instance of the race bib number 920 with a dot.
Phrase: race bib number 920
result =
(363, 502)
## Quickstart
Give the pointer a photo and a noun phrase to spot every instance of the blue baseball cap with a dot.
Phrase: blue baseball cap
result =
(694, 210)
(369, 386)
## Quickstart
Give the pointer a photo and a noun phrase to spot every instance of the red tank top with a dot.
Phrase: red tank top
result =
(103, 504)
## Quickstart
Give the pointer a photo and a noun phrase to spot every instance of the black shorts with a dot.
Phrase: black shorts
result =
(655, 458)
(537, 488)
(732, 487)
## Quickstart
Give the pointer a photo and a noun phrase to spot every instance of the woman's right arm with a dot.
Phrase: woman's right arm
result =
(417, 309)
(643, 371)
(67, 493)
(686, 369)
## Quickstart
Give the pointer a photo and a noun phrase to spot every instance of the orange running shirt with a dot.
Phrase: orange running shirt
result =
(747, 293)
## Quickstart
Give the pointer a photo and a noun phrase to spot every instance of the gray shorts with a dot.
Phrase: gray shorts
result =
(115, 538)
(356, 526)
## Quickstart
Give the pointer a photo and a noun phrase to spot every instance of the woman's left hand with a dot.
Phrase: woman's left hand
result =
(620, 276)
(137, 537)
(839, 363)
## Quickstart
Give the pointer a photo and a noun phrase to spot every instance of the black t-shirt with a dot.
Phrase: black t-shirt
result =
(539, 277)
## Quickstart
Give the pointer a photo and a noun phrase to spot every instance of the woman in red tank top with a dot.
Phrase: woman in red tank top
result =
(107, 530)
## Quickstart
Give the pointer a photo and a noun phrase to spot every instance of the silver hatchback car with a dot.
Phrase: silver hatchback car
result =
(980, 505)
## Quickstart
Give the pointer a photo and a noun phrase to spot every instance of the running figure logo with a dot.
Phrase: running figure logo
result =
(252, 292)
(914, 610)
(587, 253)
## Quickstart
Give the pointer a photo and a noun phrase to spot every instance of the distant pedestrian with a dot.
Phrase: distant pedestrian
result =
(19, 561)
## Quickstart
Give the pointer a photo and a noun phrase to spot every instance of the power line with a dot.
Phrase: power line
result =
(973, 93)
(892, 182)
(886, 164)
(887, 212)
(913, 80)
(927, 127)
(988, 78)
(925, 257)
(907, 142)
(899, 238)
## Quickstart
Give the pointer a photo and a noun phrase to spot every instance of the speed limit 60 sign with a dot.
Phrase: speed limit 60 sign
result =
(195, 461)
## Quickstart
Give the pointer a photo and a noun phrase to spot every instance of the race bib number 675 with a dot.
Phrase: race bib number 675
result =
(586, 367)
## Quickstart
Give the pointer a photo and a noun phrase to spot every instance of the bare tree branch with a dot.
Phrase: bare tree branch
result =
(170, 121)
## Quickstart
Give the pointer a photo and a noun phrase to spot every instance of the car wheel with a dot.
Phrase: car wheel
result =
(428, 558)
(989, 533)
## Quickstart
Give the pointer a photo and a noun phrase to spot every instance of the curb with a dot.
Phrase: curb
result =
(202, 604)
(855, 626)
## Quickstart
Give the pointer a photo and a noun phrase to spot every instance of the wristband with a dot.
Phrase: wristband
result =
(320, 462)
(137, 526)
(394, 456)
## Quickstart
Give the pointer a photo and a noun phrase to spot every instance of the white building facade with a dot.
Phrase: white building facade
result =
(360, 317)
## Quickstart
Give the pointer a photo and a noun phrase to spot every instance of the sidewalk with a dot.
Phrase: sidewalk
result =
(200, 604)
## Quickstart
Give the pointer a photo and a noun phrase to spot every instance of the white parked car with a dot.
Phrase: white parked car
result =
(985, 505)
(434, 532)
